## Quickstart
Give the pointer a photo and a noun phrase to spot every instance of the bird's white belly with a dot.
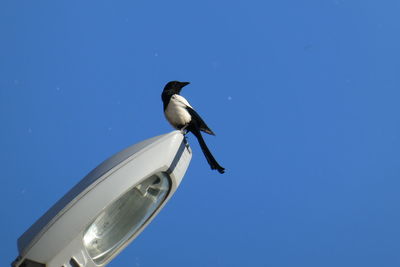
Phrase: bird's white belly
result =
(176, 113)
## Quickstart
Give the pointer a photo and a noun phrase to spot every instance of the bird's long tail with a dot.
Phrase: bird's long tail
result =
(210, 158)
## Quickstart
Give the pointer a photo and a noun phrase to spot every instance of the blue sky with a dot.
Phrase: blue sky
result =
(303, 97)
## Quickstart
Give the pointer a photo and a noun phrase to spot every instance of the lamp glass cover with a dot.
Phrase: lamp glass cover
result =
(120, 220)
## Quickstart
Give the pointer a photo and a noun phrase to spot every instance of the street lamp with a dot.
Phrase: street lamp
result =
(109, 207)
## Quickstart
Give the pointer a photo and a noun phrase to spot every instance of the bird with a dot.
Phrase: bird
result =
(181, 115)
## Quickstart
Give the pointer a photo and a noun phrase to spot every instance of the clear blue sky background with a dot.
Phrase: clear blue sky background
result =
(303, 95)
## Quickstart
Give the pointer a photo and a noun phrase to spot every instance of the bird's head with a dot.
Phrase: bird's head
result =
(174, 87)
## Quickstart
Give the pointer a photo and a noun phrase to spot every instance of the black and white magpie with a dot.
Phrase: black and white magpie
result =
(182, 116)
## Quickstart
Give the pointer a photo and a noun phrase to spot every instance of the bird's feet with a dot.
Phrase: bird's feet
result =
(183, 129)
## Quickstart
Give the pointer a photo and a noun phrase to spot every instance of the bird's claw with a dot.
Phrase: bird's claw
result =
(183, 129)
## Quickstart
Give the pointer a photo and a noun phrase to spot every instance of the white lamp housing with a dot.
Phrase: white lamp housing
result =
(108, 208)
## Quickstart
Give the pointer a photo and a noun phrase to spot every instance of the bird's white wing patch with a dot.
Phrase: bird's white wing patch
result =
(181, 99)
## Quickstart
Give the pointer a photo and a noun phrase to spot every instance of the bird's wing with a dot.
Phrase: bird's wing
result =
(181, 100)
(196, 117)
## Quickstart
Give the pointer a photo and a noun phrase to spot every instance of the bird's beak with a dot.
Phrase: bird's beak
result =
(185, 83)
